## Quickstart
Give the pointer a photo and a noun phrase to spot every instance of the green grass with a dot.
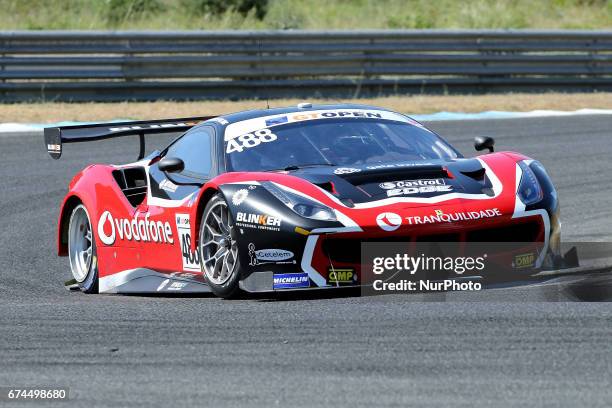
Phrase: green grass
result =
(306, 14)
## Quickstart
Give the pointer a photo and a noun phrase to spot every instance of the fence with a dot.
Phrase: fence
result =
(111, 66)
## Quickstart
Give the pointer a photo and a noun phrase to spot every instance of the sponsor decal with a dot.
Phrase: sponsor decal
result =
(184, 275)
(259, 221)
(267, 256)
(136, 229)
(409, 187)
(167, 185)
(298, 117)
(239, 196)
(346, 170)
(524, 260)
(154, 126)
(237, 129)
(349, 170)
(291, 280)
(191, 259)
(345, 275)
(389, 221)
(398, 165)
(177, 285)
(273, 255)
(277, 121)
(440, 216)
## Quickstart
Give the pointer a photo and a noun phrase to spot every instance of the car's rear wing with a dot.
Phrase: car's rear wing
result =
(55, 137)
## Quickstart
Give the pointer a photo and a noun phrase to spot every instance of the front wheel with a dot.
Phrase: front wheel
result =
(218, 249)
(82, 250)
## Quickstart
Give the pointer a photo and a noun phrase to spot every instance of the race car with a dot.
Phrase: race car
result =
(281, 199)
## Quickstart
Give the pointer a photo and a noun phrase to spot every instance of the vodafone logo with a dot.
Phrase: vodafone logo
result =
(135, 229)
(389, 221)
(107, 239)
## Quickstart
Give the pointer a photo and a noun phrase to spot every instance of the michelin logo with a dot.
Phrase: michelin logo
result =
(291, 280)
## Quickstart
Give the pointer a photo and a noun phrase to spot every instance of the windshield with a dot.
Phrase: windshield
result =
(333, 142)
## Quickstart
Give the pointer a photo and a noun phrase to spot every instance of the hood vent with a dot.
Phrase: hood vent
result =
(327, 186)
(478, 175)
(377, 176)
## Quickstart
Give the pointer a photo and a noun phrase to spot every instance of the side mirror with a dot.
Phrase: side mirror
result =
(171, 164)
(484, 142)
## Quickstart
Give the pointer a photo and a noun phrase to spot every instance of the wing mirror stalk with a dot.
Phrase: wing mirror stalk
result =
(484, 142)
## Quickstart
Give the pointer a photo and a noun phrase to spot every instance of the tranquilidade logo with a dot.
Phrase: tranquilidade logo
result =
(388, 221)
(135, 229)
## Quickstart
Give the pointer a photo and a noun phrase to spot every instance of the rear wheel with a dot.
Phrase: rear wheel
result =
(82, 250)
(219, 250)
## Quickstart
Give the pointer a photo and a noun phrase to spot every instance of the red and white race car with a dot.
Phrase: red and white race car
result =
(281, 199)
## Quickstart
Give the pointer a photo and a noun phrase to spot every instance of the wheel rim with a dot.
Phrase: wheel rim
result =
(80, 244)
(219, 251)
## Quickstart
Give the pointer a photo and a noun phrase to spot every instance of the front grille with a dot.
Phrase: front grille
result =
(525, 232)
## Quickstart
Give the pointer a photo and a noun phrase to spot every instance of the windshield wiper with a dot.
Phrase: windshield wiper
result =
(303, 166)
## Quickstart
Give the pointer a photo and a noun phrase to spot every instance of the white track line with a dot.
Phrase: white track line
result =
(13, 128)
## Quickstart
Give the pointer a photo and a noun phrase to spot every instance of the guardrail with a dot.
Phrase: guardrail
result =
(111, 66)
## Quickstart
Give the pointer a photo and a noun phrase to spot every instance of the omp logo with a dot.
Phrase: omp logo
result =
(389, 221)
(524, 260)
(134, 229)
(342, 276)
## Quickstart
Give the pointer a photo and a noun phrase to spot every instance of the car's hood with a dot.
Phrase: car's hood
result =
(418, 183)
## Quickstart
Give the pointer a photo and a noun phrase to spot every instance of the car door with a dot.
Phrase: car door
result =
(171, 196)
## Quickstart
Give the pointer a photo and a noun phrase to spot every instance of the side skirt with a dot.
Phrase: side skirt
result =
(143, 280)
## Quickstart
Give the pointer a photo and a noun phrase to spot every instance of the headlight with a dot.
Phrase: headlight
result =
(529, 191)
(301, 205)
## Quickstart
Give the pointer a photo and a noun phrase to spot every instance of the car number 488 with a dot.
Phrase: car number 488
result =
(250, 140)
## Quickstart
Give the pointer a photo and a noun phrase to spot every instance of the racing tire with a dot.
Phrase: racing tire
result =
(219, 249)
(82, 250)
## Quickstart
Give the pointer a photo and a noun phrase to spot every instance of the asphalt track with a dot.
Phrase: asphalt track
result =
(521, 346)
